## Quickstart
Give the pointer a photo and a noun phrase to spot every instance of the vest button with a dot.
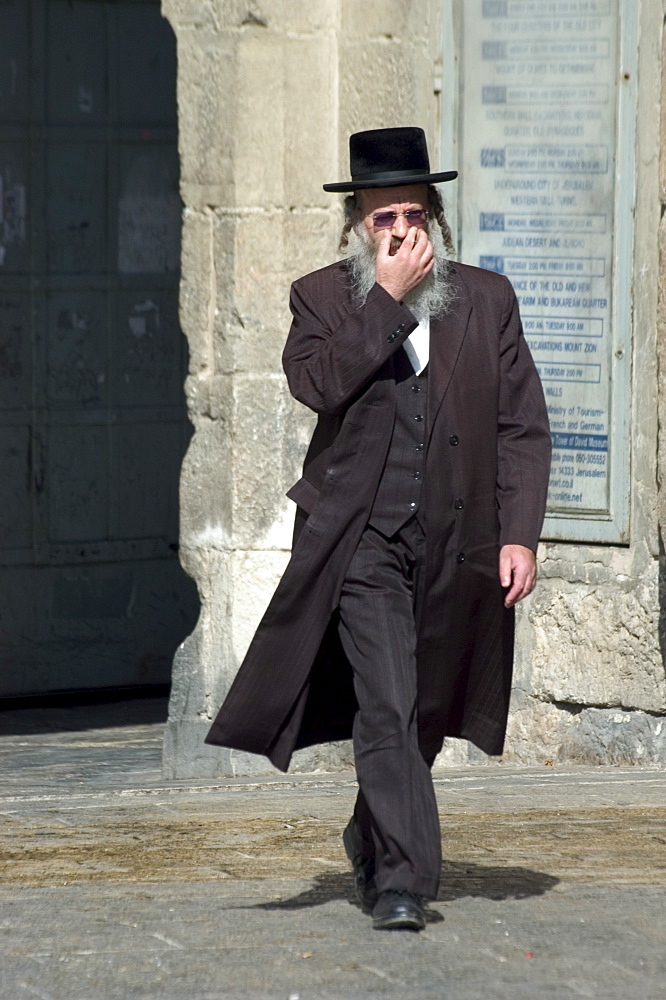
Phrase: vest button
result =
(458, 504)
(417, 475)
(454, 439)
(418, 417)
(419, 447)
(416, 388)
(460, 558)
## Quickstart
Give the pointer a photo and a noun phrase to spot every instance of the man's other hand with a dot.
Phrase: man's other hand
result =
(517, 571)
(401, 271)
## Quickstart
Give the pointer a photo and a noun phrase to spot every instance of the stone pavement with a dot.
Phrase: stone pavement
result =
(118, 885)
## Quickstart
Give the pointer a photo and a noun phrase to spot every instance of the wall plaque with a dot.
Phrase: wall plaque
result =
(541, 106)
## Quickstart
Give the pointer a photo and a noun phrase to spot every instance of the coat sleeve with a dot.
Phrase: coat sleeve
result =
(327, 361)
(523, 442)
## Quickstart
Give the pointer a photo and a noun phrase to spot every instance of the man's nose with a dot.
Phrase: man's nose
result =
(400, 227)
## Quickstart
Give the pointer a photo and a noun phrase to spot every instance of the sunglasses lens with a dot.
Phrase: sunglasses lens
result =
(417, 217)
(414, 217)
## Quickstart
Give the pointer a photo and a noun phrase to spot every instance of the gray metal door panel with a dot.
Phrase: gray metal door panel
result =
(14, 66)
(15, 498)
(15, 353)
(76, 348)
(148, 209)
(148, 354)
(92, 359)
(78, 483)
(140, 451)
(146, 68)
(76, 62)
(76, 207)
(14, 200)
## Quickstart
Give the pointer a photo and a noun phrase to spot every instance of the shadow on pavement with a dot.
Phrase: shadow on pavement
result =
(461, 879)
(80, 711)
(458, 881)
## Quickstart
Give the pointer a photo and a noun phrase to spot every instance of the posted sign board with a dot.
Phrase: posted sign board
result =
(540, 111)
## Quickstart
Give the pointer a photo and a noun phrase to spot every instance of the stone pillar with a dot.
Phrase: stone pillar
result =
(267, 95)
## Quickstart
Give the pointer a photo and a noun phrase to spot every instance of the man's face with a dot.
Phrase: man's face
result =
(378, 205)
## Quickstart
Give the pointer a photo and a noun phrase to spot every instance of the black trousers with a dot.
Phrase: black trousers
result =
(396, 812)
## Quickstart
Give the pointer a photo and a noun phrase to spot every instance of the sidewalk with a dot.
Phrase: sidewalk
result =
(117, 885)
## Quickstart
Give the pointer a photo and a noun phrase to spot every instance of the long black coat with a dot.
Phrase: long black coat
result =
(488, 445)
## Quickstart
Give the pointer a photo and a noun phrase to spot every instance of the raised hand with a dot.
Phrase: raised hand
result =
(400, 271)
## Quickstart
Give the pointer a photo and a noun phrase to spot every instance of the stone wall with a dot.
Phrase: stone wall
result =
(268, 94)
(590, 681)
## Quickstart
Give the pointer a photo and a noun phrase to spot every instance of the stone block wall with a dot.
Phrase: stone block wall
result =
(267, 95)
(268, 92)
(590, 678)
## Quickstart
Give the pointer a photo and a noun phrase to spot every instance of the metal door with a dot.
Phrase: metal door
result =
(92, 360)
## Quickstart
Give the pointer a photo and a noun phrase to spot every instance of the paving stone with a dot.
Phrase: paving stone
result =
(116, 884)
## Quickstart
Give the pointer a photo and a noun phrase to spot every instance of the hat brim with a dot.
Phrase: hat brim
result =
(358, 185)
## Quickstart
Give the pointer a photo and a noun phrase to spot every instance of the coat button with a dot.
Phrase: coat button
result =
(413, 505)
(458, 504)
(454, 439)
(460, 558)
(416, 388)
(418, 417)
(399, 328)
(419, 447)
(391, 337)
(417, 475)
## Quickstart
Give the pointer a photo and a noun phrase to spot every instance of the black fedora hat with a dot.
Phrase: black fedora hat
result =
(389, 157)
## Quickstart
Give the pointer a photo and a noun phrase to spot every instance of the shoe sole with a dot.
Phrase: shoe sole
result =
(399, 924)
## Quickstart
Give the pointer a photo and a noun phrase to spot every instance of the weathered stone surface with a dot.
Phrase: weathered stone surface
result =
(399, 76)
(185, 755)
(197, 286)
(269, 92)
(262, 88)
(285, 16)
(206, 107)
(271, 249)
(255, 574)
(598, 646)
(543, 733)
(391, 20)
(206, 488)
(607, 736)
(276, 161)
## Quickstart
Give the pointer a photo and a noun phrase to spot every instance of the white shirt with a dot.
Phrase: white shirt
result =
(417, 346)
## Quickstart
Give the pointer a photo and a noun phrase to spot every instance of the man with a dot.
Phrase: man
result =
(419, 512)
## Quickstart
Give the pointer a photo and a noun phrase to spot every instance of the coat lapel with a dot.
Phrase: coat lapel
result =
(446, 339)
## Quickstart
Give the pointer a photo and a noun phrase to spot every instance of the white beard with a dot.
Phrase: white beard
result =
(431, 297)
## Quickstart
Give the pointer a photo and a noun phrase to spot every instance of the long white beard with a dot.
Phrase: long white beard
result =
(431, 297)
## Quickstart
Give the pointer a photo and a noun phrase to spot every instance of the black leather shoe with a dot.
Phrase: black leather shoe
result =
(398, 909)
(364, 867)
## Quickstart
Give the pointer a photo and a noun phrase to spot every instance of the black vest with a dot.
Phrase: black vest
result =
(399, 493)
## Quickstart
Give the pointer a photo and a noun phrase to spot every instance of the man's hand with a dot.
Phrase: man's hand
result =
(403, 270)
(517, 571)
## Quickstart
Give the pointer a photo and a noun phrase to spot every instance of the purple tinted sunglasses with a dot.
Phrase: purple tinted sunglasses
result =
(413, 217)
